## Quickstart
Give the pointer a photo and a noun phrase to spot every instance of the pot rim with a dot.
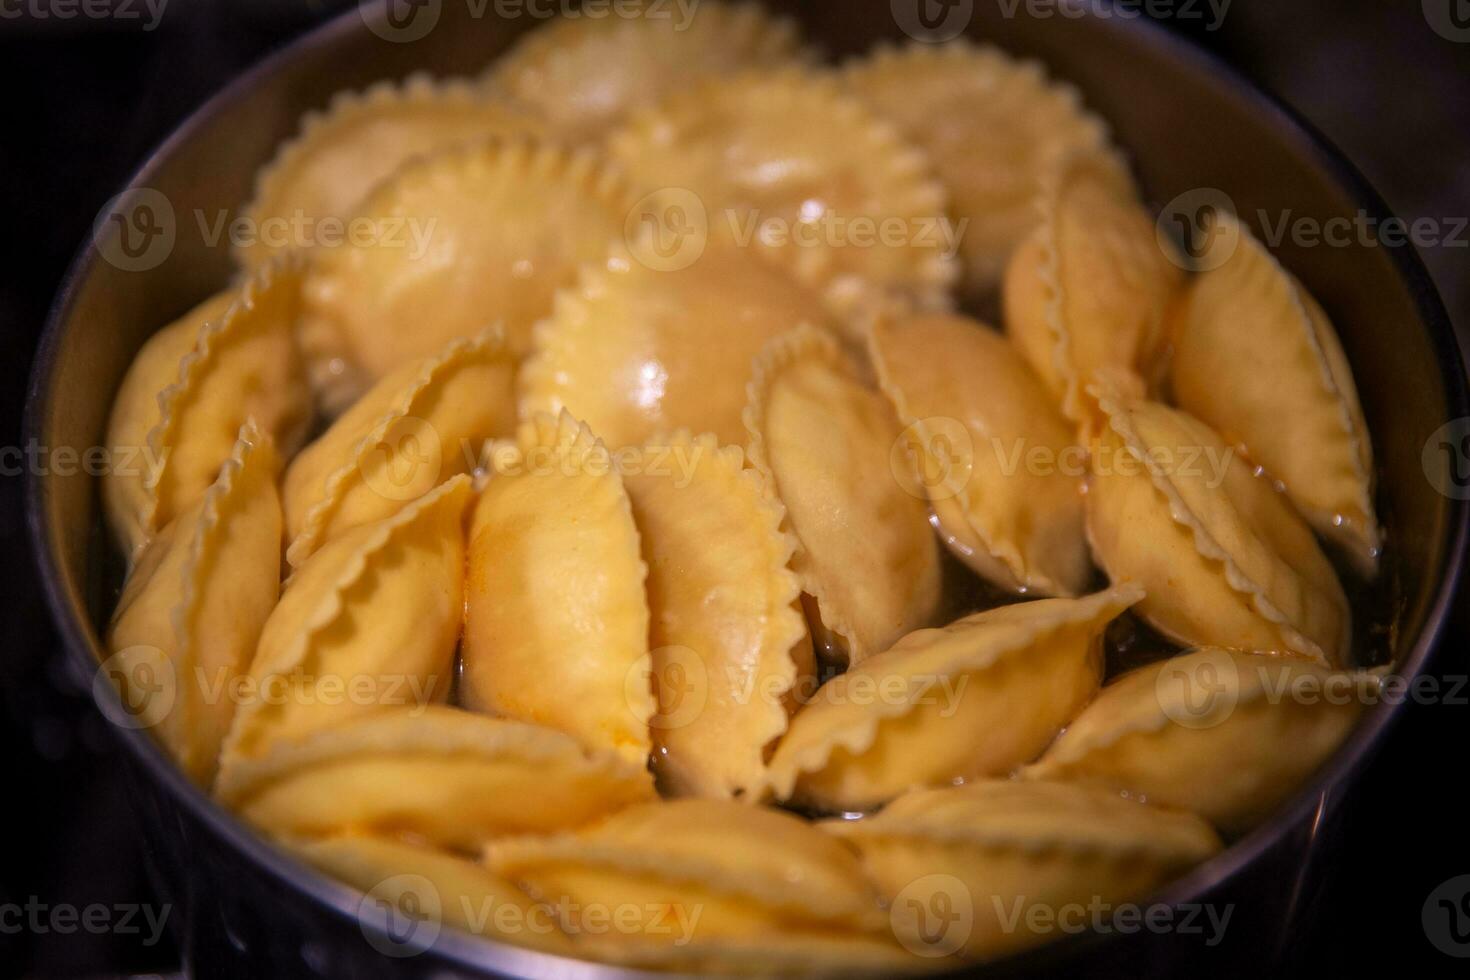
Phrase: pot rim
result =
(480, 953)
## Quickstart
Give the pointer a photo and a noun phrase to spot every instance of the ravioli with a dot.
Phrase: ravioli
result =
(305, 195)
(1228, 735)
(192, 609)
(455, 242)
(243, 365)
(368, 624)
(635, 349)
(997, 460)
(991, 124)
(1223, 557)
(977, 698)
(556, 619)
(981, 857)
(423, 423)
(824, 442)
(729, 876)
(729, 642)
(1257, 358)
(431, 886)
(584, 74)
(801, 171)
(442, 776)
(127, 485)
(1088, 292)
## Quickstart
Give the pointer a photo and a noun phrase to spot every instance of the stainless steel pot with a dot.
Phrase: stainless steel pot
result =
(248, 910)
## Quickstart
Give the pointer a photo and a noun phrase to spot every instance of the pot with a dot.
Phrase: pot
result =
(246, 909)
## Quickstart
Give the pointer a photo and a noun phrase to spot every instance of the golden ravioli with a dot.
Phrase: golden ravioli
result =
(1003, 474)
(728, 638)
(369, 622)
(983, 858)
(977, 698)
(1223, 557)
(635, 350)
(413, 430)
(584, 74)
(556, 620)
(825, 443)
(243, 364)
(192, 610)
(127, 485)
(428, 887)
(436, 774)
(455, 242)
(304, 196)
(1256, 358)
(991, 124)
(720, 874)
(1088, 291)
(1226, 734)
(790, 164)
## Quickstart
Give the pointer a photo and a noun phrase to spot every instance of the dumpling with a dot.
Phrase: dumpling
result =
(368, 623)
(127, 485)
(440, 775)
(729, 642)
(824, 443)
(996, 459)
(982, 857)
(305, 195)
(455, 242)
(420, 425)
(1256, 358)
(584, 74)
(735, 880)
(977, 698)
(193, 607)
(556, 619)
(788, 162)
(636, 350)
(1088, 291)
(991, 124)
(1223, 557)
(241, 363)
(1226, 734)
(426, 888)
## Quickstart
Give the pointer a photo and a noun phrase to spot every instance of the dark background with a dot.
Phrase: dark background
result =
(82, 102)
